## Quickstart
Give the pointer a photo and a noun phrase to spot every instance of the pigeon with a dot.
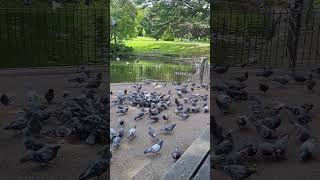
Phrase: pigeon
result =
(139, 116)
(33, 144)
(49, 96)
(221, 69)
(165, 117)
(225, 147)
(116, 141)
(154, 119)
(106, 153)
(97, 168)
(18, 124)
(154, 149)
(123, 110)
(4, 99)
(113, 134)
(302, 133)
(263, 87)
(96, 82)
(132, 133)
(239, 172)
(176, 154)
(183, 115)
(121, 122)
(242, 78)
(168, 129)
(121, 132)
(311, 83)
(177, 102)
(216, 131)
(281, 79)
(34, 126)
(242, 122)
(265, 73)
(151, 132)
(306, 150)
(223, 102)
(43, 155)
(298, 77)
(272, 122)
(205, 109)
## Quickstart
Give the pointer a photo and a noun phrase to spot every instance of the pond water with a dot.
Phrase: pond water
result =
(156, 70)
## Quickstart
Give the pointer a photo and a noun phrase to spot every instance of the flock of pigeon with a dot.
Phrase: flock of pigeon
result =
(83, 116)
(264, 119)
(152, 108)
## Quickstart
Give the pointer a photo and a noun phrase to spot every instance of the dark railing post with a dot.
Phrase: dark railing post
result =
(297, 12)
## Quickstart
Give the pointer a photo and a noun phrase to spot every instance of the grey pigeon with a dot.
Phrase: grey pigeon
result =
(97, 168)
(176, 154)
(242, 121)
(33, 144)
(239, 172)
(34, 126)
(132, 133)
(151, 132)
(18, 124)
(116, 141)
(155, 148)
(183, 115)
(154, 119)
(167, 129)
(121, 132)
(43, 155)
(123, 110)
(306, 150)
(224, 102)
(139, 116)
(225, 147)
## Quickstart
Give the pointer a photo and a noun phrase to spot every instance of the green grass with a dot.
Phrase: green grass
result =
(149, 46)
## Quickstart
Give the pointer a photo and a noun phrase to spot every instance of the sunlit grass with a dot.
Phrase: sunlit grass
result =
(146, 45)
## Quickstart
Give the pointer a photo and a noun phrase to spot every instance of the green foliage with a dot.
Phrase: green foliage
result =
(120, 50)
(168, 35)
(124, 13)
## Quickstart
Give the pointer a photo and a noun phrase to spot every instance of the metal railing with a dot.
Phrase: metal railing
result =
(33, 37)
(268, 37)
(121, 72)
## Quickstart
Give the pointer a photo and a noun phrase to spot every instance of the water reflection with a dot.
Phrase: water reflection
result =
(151, 70)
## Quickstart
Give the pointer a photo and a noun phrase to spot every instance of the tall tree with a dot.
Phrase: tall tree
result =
(123, 19)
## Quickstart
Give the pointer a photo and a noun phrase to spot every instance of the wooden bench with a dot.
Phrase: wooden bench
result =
(195, 162)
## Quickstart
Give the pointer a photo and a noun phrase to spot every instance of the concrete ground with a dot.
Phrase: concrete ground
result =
(129, 162)
(73, 157)
(292, 93)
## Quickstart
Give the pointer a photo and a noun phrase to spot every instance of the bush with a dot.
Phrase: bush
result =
(120, 50)
(168, 36)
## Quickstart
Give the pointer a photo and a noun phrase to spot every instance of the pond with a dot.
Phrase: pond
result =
(131, 71)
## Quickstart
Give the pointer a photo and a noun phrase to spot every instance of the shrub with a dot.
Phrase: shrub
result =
(120, 50)
(168, 36)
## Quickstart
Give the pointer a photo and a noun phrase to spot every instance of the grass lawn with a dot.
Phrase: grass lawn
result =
(149, 46)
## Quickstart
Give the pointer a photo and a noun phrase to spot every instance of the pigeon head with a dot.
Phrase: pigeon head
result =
(160, 143)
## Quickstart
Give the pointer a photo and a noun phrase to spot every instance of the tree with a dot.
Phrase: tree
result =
(123, 15)
(178, 16)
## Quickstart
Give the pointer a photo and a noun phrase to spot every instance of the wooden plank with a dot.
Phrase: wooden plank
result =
(190, 161)
(204, 171)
